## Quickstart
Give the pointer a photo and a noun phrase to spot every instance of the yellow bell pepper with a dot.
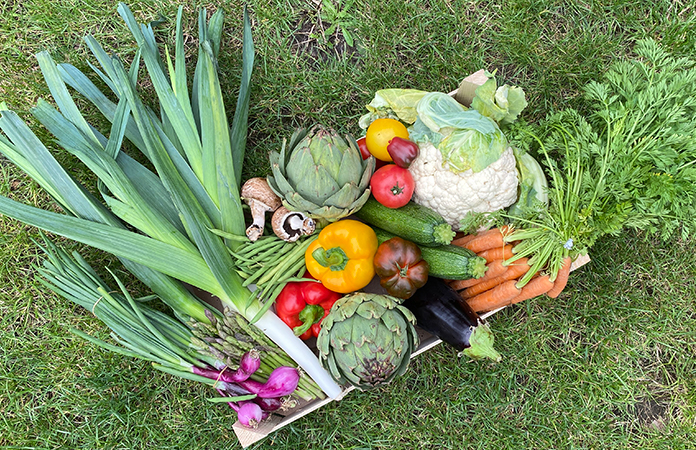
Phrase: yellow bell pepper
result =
(342, 256)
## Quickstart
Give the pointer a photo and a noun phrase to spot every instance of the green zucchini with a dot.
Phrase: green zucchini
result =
(412, 222)
(447, 261)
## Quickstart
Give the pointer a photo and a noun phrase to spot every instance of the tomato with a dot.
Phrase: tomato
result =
(363, 148)
(366, 153)
(392, 186)
(379, 133)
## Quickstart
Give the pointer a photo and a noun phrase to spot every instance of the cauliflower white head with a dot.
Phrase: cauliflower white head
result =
(453, 195)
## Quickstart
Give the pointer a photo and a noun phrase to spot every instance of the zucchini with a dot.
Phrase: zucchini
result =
(447, 261)
(412, 222)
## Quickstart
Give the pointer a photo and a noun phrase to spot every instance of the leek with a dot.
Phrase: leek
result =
(194, 187)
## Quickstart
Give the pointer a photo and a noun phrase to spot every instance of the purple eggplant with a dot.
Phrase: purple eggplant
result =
(439, 310)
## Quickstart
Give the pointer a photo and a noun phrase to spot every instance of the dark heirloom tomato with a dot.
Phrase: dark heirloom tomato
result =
(392, 186)
(401, 269)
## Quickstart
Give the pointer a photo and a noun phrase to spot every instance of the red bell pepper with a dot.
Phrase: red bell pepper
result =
(302, 305)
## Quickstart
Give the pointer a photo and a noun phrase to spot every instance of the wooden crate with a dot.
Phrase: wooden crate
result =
(248, 436)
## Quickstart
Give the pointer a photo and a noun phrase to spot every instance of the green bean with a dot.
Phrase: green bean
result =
(253, 248)
(289, 259)
(238, 256)
(273, 253)
(229, 236)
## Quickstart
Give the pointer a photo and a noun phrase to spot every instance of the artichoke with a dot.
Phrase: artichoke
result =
(367, 340)
(321, 174)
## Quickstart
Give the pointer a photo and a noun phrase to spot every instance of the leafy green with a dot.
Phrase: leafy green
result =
(397, 104)
(644, 112)
(502, 104)
(628, 164)
(532, 187)
(466, 139)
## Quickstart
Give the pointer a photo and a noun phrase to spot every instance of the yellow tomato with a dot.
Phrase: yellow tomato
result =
(379, 133)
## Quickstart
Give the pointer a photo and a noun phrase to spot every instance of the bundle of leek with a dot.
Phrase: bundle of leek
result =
(193, 190)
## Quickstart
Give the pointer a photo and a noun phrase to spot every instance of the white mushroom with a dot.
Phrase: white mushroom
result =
(258, 195)
(290, 225)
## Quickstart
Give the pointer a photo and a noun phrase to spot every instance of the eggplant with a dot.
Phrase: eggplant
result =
(440, 311)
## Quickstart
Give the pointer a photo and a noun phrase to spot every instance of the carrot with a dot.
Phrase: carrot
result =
(495, 298)
(516, 270)
(495, 269)
(503, 252)
(484, 241)
(561, 279)
(536, 287)
(461, 241)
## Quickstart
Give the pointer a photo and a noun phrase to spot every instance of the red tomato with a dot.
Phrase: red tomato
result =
(366, 153)
(392, 186)
(363, 148)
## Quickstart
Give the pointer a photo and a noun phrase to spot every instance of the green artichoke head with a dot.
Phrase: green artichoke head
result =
(321, 174)
(367, 340)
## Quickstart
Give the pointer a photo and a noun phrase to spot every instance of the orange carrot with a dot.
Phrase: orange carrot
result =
(495, 298)
(514, 271)
(536, 287)
(503, 252)
(495, 269)
(484, 241)
(460, 241)
(561, 279)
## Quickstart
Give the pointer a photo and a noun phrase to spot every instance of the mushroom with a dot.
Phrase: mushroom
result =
(260, 197)
(290, 225)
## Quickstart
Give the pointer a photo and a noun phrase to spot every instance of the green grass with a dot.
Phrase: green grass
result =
(611, 364)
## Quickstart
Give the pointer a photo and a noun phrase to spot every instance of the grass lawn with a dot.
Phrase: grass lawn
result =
(610, 364)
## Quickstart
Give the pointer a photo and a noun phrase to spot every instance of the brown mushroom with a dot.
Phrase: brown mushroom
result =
(260, 197)
(290, 225)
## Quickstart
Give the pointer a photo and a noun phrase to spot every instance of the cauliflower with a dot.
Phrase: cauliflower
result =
(452, 195)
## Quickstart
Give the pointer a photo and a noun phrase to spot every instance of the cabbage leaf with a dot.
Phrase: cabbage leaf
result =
(467, 139)
(502, 104)
(397, 104)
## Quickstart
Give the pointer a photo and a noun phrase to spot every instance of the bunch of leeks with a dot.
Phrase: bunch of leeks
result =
(158, 223)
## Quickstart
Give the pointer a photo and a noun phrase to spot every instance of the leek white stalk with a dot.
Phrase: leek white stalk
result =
(282, 335)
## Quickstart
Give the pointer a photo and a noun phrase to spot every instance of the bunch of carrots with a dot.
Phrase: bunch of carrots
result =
(501, 285)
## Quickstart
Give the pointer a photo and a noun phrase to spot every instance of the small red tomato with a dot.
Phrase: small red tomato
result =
(392, 186)
(363, 148)
(366, 153)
